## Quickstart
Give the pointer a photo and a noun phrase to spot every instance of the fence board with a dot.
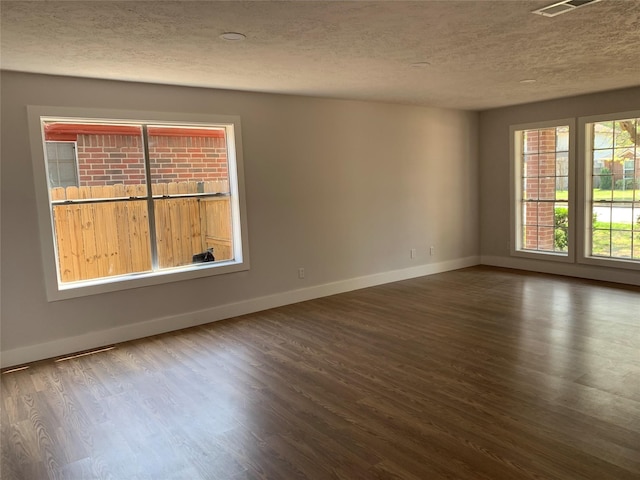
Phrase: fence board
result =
(61, 224)
(105, 239)
(122, 232)
(101, 231)
(84, 192)
(75, 230)
(72, 193)
(57, 193)
(139, 239)
(164, 238)
(89, 239)
(195, 226)
(217, 212)
(118, 190)
(175, 230)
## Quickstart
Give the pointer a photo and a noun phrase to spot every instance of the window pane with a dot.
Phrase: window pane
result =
(601, 243)
(562, 188)
(546, 239)
(599, 193)
(602, 135)
(191, 161)
(562, 164)
(530, 213)
(97, 240)
(624, 133)
(562, 139)
(97, 237)
(602, 216)
(110, 160)
(530, 141)
(545, 179)
(547, 140)
(624, 195)
(561, 240)
(547, 188)
(192, 155)
(561, 224)
(621, 244)
(530, 166)
(530, 188)
(530, 236)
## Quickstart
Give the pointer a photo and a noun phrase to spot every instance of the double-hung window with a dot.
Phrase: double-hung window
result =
(144, 199)
(599, 221)
(612, 189)
(542, 172)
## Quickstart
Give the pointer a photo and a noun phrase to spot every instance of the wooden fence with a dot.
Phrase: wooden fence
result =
(100, 239)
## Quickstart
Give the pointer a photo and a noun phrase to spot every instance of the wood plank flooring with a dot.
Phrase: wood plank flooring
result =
(478, 374)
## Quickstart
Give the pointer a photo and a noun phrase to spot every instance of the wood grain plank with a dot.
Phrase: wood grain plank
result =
(477, 374)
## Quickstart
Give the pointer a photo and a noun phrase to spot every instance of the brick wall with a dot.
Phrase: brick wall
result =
(110, 159)
(175, 159)
(115, 159)
(540, 184)
(617, 170)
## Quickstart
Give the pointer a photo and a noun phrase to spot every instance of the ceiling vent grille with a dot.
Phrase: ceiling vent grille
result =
(562, 7)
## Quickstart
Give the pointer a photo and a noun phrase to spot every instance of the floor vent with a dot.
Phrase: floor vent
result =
(562, 7)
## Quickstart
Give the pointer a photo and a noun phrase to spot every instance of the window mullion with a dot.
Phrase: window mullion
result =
(150, 201)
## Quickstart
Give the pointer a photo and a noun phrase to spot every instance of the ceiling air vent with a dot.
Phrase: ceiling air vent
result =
(562, 7)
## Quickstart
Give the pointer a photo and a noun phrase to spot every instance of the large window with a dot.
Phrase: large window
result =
(613, 188)
(605, 206)
(152, 200)
(542, 183)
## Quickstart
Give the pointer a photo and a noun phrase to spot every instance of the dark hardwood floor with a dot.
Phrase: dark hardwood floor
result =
(479, 374)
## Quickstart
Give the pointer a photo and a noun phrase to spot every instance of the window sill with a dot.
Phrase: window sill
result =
(537, 255)
(126, 282)
(611, 262)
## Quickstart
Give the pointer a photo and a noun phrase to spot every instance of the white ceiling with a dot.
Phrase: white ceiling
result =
(479, 51)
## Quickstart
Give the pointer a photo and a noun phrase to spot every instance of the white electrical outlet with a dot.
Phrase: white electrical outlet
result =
(301, 273)
(432, 250)
(413, 253)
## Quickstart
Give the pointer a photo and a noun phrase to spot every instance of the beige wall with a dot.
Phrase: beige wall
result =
(343, 188)
(495, 181)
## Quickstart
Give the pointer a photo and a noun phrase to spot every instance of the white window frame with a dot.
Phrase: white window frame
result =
(585, 193)
(515, 149)
(56, 290)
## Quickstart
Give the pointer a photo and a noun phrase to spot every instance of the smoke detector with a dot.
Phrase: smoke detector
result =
(562, 7)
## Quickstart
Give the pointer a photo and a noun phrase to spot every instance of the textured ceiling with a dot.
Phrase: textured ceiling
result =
(478, 51)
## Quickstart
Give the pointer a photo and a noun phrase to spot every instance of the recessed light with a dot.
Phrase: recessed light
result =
(528, 80)
(419, 65)
(233, 36)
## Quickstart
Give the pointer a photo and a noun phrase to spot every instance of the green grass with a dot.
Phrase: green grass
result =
(615, 239)
(599, 195)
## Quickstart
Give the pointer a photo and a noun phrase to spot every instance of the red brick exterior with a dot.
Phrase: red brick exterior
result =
(110, 159)
(617, 170)
(176, 159)
(540, 184)
(116, 159)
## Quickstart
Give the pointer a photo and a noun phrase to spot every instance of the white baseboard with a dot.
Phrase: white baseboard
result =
(64, 346)
(616, 275)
